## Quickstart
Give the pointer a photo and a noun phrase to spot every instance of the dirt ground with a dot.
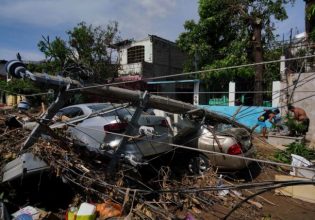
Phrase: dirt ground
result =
(286, 207)
(283, 207)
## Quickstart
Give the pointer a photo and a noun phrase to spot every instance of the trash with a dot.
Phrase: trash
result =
(71, 213)
(146, 130)
(301, 162)
(189, 217)
(109, 209)
(222, 192)
(24, 217)
(27, 213)
(24, 105)
(25, 164)
(86, 211)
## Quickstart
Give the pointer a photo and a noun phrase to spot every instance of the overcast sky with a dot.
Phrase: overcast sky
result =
(23, 22)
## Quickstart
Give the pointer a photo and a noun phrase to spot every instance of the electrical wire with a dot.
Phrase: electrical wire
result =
(302, 83)
(293, 183)
(193, 72)
(210, 152)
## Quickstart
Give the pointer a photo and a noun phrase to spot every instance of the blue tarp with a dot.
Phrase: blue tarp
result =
(247, 116)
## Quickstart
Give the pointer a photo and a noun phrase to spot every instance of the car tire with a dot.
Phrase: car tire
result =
(198, 164)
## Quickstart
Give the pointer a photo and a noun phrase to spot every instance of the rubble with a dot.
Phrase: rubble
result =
(140, 198)
(90, 185)
(87, 173)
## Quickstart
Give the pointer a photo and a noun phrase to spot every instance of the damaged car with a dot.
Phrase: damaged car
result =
(97, 126)
(99, 133)
(102, 129)
(209, 136)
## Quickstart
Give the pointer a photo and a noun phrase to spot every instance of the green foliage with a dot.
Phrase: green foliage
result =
(310, 15)
(56, 52)
(295, 127)
(16, 86)
(225, 36)
(23, 87)
(295, 148)
(87, 55)
(310, 12)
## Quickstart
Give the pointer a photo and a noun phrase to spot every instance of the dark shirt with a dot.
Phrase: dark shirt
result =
(264, 117)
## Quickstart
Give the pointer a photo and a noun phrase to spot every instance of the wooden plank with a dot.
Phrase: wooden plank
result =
(302, 192)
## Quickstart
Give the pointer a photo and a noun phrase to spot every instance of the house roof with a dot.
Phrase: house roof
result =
(149, 37)
(121, 43)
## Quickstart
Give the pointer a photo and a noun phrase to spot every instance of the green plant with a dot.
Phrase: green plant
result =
(296, 128)
(295, 148)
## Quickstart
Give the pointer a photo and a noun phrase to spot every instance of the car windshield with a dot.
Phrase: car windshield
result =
(221, 127)
(98, 107)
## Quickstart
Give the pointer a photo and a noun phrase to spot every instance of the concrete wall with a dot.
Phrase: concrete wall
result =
(308, 104)
(167, 58)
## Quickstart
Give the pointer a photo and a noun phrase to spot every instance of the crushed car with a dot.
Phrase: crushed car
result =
(131, 135)
(196, 132)
(101, 127)
(99, 134)
(95, 125)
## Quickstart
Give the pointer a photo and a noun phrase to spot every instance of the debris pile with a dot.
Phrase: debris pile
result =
(124, 194)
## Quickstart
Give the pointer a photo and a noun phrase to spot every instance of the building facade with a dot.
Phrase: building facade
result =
(150, 57)
(155, 57)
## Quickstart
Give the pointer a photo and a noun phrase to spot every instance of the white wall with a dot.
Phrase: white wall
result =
(308, 104)
(147, 51)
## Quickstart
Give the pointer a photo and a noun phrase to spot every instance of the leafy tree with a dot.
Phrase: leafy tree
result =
(310, 18)
(233, 32)
(87, 55)
(56, 52)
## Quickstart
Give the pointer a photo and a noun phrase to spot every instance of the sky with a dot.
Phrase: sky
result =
(23, 22)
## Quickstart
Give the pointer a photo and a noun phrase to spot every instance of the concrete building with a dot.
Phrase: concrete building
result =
(150, 57)
(154, 57)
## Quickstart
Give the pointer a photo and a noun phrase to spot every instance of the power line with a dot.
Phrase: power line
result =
(27, 95)
(205, 151)
(279, 91)
(283, 106)
(241, 92)
(194, 72)
(231, 67)
(302, 83)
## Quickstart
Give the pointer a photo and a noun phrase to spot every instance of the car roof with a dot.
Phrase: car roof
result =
(86, 105)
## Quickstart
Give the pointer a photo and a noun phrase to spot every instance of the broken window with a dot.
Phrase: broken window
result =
(70, 112)
(136, 54)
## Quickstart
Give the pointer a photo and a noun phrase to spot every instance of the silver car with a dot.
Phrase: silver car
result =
(95, 125)
(201, 135)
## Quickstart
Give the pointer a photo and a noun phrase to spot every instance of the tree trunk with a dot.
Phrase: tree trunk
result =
(258, 58)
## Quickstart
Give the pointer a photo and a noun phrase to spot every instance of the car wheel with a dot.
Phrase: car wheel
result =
(198, 164)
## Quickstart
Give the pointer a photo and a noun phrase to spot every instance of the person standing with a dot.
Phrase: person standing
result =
(300, 117)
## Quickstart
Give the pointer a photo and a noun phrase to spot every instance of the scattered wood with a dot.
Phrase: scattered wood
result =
(302, 192)
(250, 201)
